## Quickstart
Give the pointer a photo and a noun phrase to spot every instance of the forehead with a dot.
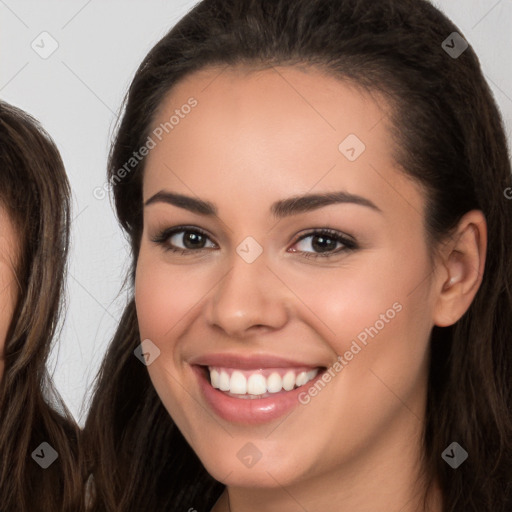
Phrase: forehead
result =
(275, 132)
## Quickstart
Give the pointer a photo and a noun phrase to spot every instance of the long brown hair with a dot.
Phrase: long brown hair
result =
(34, 192)
(449, 137)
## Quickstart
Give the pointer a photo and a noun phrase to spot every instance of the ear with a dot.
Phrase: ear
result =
(461, 265)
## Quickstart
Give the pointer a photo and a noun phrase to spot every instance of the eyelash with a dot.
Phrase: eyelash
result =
(349, 244)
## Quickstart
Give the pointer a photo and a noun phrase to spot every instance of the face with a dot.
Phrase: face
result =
(8, 288)
(327, 302)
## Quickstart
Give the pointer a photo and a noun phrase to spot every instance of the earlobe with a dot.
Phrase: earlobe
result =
(463, 260)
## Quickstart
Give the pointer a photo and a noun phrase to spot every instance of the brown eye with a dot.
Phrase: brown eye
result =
(324, 243)
(192, 240)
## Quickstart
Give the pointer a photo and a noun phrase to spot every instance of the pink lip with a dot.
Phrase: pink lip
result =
(241, 362)
(249, 411)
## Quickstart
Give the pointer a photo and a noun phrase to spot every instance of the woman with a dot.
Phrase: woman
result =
(313, 192)
(39, 453)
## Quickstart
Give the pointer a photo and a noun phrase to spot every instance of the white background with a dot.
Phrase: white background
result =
(77, 92)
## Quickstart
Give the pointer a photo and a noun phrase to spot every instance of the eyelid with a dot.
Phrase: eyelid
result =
(164, 234)
(334, 233)
(348, 242)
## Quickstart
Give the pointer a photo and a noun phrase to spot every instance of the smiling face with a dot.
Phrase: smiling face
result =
(255, 281)
(8, 287)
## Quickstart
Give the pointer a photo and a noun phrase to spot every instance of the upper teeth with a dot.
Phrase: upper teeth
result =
(255, 383)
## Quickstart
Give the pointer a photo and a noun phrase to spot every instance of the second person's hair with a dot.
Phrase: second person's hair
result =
(34, 193)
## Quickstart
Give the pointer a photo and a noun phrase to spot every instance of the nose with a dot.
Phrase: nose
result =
(249, 298)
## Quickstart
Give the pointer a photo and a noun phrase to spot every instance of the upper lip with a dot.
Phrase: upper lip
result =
(255, 362)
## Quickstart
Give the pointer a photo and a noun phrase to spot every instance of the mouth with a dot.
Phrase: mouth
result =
(258, 384)
(254, 396)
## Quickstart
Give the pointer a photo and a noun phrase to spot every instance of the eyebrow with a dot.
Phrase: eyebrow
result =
(279, 209)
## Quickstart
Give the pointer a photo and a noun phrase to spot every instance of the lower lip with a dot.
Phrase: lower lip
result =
(250, 411)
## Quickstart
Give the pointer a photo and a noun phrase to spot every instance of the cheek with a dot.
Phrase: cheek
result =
(379, 319)
(162, 298)
(364, 292)
(376, 315)
(164, 295)
(386, 331)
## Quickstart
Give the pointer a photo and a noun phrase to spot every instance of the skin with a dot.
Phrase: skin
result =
(255, 138)
(8, 288)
